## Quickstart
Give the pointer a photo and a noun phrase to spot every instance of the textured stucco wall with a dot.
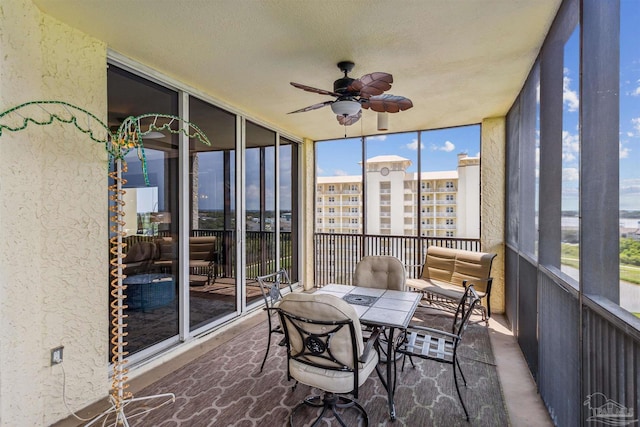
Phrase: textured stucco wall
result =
(53, 223)
(492, 199)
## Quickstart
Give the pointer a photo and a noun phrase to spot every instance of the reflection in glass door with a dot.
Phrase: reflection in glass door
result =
(271, 202)
(260, 202)
(212, 248)
(288, 207)
(158, 281)
(151, 214)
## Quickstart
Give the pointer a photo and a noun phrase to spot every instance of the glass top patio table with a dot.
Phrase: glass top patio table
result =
(377, 307)
(380, 307)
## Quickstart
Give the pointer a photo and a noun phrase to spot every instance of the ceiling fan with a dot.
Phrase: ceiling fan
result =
(354, 94)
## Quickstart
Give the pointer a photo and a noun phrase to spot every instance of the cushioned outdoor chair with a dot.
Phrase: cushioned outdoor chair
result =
(446, 273)
(203, 258)
(139, 259)
(442, 346)
(271, 286)
(325, 350)
(381, 272)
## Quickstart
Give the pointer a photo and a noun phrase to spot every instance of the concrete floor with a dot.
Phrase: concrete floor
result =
(523, 402)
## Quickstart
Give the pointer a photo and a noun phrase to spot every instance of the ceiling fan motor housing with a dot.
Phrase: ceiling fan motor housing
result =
(340, 86)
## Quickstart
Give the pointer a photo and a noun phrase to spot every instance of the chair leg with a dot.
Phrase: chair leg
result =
(266, 353)
(404, 359)
(211, 275)
(329, 402)
(455, 380)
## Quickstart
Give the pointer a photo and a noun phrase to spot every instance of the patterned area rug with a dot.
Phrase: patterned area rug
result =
(225, 388)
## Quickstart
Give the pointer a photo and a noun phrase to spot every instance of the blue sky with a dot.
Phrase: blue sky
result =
(630, 105)
(439, 149)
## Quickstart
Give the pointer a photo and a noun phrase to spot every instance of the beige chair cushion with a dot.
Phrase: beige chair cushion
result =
(474, 267)
(440, 263)
(381, 272)
(141, 251)
(202, 248)
(328, 307)
(446, 267)
(167, 249)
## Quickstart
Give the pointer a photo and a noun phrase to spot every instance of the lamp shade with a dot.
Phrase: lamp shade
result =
(153, 135)
(383, 121)
(345, 107)
(160, 217)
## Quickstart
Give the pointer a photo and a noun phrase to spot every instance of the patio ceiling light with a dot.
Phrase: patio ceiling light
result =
(345, 107)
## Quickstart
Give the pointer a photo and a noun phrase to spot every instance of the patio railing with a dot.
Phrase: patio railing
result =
(336, 255)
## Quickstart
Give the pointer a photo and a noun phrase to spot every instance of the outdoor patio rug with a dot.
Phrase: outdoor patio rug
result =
(225, 388)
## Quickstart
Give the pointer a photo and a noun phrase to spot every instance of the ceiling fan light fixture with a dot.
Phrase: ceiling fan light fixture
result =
(153, 135)
(345, 107)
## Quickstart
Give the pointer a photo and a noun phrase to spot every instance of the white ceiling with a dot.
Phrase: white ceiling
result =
(458, 61)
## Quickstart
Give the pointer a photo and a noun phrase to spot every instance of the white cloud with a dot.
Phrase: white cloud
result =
(630, 186)
(448, 147)
(570, 174)
(636, 127)
(319, 171)
(413, 145)
(340, 172)
(569, 97)
(377, 138)
(624, 151)
(253, 196)
(636, 92)
(570, 146)
(630, 194)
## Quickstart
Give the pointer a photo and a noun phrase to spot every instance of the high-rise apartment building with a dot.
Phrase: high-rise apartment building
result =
(435, 204)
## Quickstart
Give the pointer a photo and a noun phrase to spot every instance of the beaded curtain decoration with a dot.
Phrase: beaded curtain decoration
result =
(128, 137)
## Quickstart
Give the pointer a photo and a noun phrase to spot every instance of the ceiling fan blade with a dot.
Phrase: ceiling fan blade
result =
(349, 120)
(312, 107)
(387, 103)
(371, 84)
(313, 89)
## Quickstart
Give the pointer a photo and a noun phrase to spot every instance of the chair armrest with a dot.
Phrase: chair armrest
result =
(488, 281)
(371, 341)
(471, 282)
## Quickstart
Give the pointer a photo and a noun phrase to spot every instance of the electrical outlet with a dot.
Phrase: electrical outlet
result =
(56, 355)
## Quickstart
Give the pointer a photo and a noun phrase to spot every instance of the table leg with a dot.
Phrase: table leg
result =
(391, 374)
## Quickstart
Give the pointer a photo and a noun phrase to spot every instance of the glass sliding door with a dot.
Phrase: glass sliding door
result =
(288, 207)
(151, 213)
(260, 202)
(212, 247)
(187, 269)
